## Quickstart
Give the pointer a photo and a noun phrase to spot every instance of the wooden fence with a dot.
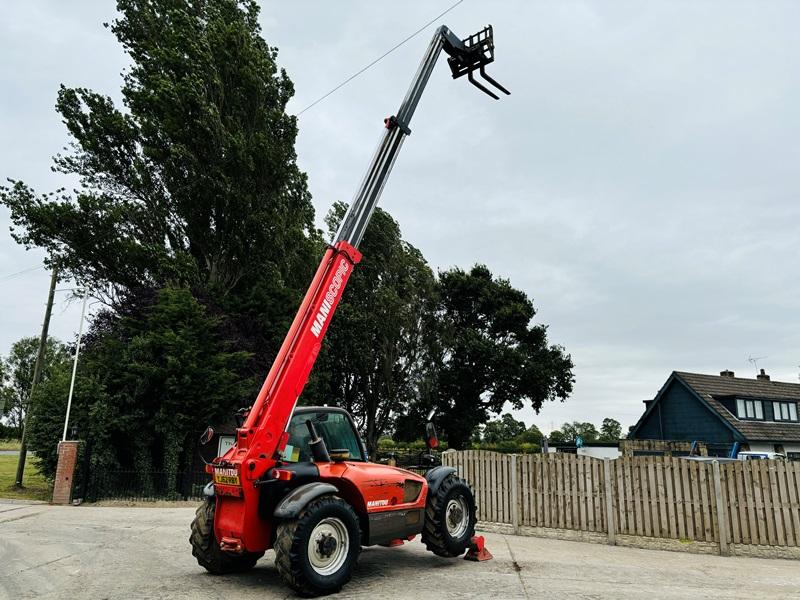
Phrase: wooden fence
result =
(651, 496)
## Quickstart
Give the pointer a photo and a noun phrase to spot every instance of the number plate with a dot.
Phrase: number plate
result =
(226, 476)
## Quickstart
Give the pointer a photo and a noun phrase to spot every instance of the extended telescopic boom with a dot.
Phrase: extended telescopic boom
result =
(263, 436)
(301, 346)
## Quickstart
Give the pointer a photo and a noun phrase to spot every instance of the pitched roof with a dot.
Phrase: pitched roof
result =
(711, 387)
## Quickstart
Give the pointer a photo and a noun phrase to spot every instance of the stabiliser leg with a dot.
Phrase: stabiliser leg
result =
(477, 550)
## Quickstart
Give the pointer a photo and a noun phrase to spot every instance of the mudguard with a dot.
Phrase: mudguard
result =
(436, 476)
(298, 498)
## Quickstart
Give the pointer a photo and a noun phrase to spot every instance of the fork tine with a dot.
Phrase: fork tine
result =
(480, 86)
(485, 75)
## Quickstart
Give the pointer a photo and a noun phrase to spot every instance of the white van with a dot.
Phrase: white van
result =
(761, 456)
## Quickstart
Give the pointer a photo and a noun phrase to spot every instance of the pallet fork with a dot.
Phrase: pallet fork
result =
(471, 54)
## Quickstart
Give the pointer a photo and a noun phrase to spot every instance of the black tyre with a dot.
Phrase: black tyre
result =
(449, 518)
(205, 547)
(316, 552)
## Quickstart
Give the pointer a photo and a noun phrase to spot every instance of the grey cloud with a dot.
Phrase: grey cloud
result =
(639, 183)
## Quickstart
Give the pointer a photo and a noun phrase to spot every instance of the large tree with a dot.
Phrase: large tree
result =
(378, 351)
(493, 355)
(569, 433)
(610, 430)
(193, 181)
(504, 429)
(18, 370)
(191, 220)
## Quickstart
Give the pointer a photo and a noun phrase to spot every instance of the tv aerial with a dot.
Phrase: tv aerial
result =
(753, 360)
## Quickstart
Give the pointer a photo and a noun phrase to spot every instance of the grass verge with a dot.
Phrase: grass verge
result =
(36, 486)
(9, 444)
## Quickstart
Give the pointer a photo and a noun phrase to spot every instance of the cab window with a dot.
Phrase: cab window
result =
(334, 427)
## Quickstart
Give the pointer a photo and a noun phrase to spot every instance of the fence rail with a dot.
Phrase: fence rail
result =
(753, 502)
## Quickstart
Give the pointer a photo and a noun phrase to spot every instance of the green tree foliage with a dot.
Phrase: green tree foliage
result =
(569, 432)
(190, 187)
(531, 435)
(193, 181)
(504, 429)
(17, 370)
(491, 353)
(148, 382)
(610, 430)
(6, 394)
(47, 427)
(378, 349)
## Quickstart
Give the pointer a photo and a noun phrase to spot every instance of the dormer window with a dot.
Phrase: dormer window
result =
(785, 411)
(751, 409)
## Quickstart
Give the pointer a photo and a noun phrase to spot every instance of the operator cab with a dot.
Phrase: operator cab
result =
(334, 425)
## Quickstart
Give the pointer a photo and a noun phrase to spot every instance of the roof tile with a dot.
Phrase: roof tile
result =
(710, 387)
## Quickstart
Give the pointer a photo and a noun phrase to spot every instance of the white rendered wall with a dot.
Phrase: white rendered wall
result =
(600, 452)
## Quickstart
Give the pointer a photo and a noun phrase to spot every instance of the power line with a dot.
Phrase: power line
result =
(380, 58)
(28, 270)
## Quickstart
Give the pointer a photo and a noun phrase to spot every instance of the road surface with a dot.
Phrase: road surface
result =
(49, 552)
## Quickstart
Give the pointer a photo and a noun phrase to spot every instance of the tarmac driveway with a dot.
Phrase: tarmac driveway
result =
(96, 552)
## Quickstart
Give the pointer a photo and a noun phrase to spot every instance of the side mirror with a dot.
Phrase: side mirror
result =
(207, 436)
(431, 439)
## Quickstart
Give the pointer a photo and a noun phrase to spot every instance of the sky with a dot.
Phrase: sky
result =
(640, 184)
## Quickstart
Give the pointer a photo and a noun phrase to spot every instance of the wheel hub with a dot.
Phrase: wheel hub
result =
(327, 545)
(457, 517)
(454, 517)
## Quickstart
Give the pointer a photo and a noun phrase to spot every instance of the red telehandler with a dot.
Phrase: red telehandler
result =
(298, 479)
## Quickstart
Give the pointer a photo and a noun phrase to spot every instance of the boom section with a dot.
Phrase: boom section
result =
(261, 437)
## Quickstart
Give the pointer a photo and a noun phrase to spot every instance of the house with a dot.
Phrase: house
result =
(719, 410)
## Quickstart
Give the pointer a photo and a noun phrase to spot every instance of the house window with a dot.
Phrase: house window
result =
(750, 409)
(785, 411)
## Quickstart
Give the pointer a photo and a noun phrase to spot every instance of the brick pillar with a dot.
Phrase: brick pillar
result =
(65, 472)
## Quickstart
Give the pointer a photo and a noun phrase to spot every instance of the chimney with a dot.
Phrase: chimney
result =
(726, 373)
(762, 376)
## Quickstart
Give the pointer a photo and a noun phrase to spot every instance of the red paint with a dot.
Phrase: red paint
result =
(477, 550)
(367, 487)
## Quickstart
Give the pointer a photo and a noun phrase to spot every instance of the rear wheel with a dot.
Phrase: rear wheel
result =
(316, 552)
(449, 518)
(205, 547)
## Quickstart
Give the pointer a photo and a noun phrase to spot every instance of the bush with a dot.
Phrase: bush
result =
(10, 433)
(509, 447)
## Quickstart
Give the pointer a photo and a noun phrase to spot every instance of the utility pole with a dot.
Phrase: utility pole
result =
(37, 375)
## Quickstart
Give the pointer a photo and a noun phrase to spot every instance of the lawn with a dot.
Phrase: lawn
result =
(36, 486)
(9, 444)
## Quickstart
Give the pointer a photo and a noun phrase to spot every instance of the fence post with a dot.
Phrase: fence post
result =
(610, 524)
(722, 511)
(514, 495)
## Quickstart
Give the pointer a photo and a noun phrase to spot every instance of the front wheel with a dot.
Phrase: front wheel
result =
(449, 518)
(205, 546)
(316, 552)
